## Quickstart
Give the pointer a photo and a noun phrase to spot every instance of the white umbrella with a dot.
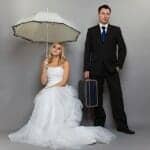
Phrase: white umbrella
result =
(46, 27)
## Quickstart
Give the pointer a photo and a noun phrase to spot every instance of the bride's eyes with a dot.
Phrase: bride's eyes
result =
(59, 48)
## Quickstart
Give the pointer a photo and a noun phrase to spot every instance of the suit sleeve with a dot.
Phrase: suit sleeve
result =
(87, 53)
(122, 51)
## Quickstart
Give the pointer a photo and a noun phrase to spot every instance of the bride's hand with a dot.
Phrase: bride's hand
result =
(45, 63)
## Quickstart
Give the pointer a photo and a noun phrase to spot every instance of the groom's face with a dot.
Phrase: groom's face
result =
(104, 15)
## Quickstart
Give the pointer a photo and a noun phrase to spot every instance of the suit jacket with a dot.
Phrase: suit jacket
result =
(108, 54)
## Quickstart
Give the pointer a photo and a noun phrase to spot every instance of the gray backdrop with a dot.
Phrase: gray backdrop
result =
(20, 60)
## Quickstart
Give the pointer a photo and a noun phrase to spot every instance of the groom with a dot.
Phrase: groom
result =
(104, 56)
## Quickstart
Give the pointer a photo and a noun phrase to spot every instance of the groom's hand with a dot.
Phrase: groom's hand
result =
(117, 68)
(86, 74)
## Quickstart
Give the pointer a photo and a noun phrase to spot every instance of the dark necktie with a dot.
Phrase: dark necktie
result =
(103, 34)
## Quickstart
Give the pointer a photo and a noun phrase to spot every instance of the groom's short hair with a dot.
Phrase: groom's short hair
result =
(105, 6)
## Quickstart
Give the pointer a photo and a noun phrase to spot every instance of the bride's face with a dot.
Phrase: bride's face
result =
(56, 50)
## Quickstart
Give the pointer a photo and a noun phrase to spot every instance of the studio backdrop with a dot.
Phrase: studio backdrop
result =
(20, 60)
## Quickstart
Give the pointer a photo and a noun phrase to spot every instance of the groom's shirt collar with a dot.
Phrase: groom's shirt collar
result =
(103, 25)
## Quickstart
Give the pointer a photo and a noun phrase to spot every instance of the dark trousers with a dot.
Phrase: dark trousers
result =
(116, 99)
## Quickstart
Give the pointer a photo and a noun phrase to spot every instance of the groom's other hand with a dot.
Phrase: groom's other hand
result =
(86, 74)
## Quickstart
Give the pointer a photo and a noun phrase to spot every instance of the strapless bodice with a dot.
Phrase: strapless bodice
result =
(55, 74)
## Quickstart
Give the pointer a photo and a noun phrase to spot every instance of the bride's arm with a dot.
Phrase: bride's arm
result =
(44, 77)
(66, 75)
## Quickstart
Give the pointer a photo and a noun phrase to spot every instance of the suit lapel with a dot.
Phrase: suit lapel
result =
(98, 35)
(108, 32)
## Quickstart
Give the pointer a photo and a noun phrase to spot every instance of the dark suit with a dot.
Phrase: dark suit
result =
(101, 59)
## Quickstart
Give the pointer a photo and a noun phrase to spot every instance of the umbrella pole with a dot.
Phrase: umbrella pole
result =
(47, 37)
(46, 52)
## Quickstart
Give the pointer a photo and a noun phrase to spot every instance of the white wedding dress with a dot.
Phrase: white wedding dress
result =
(55, 120)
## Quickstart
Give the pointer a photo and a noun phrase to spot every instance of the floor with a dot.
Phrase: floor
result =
(139, 141)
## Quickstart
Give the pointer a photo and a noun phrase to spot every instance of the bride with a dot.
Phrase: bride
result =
(55, 120)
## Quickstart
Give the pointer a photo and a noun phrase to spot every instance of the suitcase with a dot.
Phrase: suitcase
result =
(88, 92)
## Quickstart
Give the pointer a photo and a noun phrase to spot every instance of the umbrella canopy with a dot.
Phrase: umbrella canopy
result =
(45, 27)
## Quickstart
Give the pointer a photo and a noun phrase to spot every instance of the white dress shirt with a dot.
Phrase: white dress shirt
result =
(103, 25)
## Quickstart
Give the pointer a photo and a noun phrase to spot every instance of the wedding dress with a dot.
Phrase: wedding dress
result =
(55, 120)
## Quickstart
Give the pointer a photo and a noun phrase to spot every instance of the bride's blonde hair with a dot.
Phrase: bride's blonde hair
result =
(62, 57)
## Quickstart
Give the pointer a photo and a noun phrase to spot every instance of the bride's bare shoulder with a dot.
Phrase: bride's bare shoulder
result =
(66, 64)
